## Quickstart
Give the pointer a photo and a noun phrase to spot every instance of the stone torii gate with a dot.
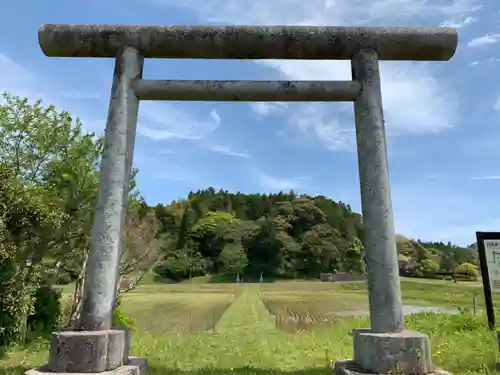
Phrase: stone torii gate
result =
(385, 347)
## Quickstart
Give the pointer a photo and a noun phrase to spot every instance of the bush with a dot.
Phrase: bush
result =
(122, 319)
(467, 269)
(47, 313)
(28, 220)
(15, 305)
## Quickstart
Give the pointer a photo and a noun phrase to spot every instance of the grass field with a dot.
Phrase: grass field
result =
(294, 327)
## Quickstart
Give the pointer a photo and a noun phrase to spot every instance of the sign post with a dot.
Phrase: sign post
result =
(488, 246)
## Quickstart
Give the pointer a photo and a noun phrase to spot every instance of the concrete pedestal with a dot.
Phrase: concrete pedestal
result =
(406, 352)
(349, 367)
(91, 352)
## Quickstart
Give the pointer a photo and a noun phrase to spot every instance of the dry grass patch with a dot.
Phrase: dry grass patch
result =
(176, 312)
(302, 312)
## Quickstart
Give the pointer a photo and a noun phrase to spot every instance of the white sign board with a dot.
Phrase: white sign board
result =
(492, 250)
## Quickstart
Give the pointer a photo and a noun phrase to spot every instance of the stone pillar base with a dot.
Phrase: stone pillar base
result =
(86, 351)
(91, 352)
(349, 367)
(406, 352)
(136, 366)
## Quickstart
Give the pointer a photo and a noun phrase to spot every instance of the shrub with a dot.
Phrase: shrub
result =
(27, 223)
(468, 269)
(47, 311)
(122, 319)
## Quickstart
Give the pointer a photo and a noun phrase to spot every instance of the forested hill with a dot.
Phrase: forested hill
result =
(278, 235)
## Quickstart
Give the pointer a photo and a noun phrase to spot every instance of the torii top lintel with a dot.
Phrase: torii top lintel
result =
(249, 42)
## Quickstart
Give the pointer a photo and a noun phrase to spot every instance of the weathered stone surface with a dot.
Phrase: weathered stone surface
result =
(249, 42)
(381, 254)
(247, 91)
(349, 367)
(86, 351)
(141, 363)
(405, 352)
(138, 367)
(128, 343)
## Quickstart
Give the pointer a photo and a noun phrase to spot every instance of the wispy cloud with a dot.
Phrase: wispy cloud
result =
(158, 121)
(486, 178)
(21, 81)
(161, 121)
(458, 24)
(484, 40)
(496, 106)
(268, 108)
(227, 150)
(275, 183)
(433, 176)
(315, 122)
(333, 12)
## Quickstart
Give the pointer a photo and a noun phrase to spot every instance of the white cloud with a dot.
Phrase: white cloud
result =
(415, 100)
(170, 122)
(484, 40)
(268, 108)
(275, 183)
(467, 21)
(313, 122)
(414, 103)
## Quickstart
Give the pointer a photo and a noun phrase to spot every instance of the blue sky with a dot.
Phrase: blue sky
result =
(443, 118)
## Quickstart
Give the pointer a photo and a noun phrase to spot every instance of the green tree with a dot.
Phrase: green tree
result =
(319, 252)
(46, 148)
(447, 263)
(28, 220)
(233, 259)
(353, 258)
(209, 235)
(429, 267)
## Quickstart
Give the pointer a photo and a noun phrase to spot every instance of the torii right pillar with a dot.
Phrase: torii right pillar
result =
(386, 347)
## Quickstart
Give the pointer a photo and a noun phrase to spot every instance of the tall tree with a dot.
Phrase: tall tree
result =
(233, 259)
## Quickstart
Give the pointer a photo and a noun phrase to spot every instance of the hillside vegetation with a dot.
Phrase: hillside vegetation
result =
(283, 235)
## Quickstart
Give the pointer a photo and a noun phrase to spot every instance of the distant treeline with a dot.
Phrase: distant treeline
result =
(283, 235)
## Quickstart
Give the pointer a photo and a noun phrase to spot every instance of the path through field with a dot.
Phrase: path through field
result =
(247, 315)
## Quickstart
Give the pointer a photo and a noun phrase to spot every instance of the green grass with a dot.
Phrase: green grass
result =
(284, 327)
